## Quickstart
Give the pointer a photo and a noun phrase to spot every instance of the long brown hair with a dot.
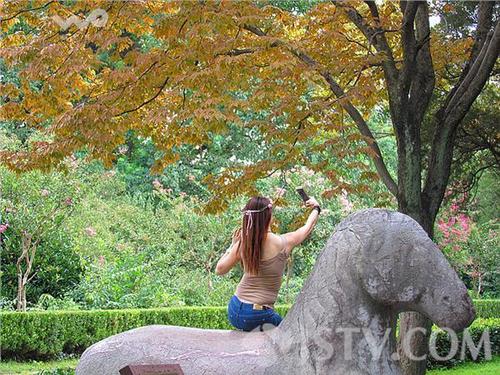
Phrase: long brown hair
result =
(254, 231)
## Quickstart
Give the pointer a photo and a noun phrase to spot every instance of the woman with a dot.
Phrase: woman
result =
(263, 255)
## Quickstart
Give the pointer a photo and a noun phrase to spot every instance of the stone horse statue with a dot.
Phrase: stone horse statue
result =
(376, 264)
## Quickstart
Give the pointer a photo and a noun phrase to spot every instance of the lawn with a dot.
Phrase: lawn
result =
(485, 368)
(64, 368)
(61, 367)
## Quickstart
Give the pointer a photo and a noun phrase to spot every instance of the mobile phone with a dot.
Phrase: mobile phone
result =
(302, 194)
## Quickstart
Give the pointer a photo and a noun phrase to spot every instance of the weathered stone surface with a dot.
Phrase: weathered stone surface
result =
(376, 264)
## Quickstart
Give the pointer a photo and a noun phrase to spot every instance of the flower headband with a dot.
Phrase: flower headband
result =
(250, 216)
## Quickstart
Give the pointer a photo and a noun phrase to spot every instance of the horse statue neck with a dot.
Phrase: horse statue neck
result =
(330, 309)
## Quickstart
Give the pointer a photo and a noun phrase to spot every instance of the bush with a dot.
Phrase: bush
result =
(42, 335)
(34, 207)
(487, 308)
(443, 343)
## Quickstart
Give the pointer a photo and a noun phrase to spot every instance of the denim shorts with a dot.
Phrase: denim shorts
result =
(242, 316)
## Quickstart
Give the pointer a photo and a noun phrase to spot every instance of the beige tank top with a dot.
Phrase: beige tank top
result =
(264, 287)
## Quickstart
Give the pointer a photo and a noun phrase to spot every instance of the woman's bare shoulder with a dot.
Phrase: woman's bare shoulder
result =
(274, 237)
(273, 245)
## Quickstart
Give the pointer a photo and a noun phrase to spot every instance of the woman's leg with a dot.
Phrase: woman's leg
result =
(260, 320)
(273, 318)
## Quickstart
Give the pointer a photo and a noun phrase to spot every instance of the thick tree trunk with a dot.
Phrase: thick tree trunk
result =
(415, 328)
(413, 342)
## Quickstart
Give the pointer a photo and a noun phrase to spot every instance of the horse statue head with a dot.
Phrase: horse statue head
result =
(402, 269)
(376, 264)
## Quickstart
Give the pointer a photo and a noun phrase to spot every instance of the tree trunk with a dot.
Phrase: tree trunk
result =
(413, 344)
(415, 328)
(19, 288)
(28, 249)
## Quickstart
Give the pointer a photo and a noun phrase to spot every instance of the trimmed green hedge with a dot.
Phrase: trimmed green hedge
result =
(476, 330)
(487, 308)
(46, 334)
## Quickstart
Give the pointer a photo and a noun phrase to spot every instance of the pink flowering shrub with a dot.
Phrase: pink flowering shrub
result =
(3, 227)
(472, 248)
(454, 226)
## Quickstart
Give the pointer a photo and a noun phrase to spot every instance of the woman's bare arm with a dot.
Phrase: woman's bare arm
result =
(228, 260)
(296, 237)
(230, 257)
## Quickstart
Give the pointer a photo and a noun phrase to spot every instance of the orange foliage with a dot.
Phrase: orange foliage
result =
(186, 85)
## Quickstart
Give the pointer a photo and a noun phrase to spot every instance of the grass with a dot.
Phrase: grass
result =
(52, 367)
(64, 367)
(484, 368)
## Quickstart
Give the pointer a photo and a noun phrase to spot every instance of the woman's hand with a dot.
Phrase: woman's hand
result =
(311, 202)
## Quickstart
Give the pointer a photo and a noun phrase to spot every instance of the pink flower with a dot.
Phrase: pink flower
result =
(157, 184)
(68, 201)
(3, 227)
(101, 260)
(91, 232)
(44, 193)
(182, 194)
(191, 177)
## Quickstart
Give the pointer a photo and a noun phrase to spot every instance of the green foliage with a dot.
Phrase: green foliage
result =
(486, 205)
(37, 205)
(47, 302)
(148, 256)
(476, 330)
(47, 334)
(478, 259)
(487, 308)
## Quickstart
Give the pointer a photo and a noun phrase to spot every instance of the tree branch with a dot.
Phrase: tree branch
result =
(366, 132)
(409, 45)
(451, 114)
(374, 35)
(477, 75)
(424, 80)
(484, 25)
(146, 102)
(26, 10)
(348, 106)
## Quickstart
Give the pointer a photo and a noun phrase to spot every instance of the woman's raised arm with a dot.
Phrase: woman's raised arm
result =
(296, 237)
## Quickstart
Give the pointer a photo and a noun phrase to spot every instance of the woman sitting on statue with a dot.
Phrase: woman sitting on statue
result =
(263, 255)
